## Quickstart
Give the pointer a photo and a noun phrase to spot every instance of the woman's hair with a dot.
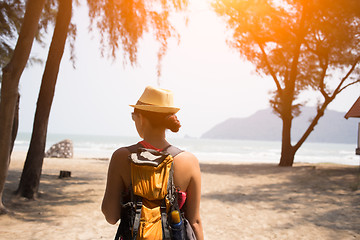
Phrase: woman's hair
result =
(167, 120)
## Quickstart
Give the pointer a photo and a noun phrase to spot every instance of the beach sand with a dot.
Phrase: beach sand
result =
(239, 201)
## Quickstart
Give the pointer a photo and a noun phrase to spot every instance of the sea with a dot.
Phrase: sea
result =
(206, 150)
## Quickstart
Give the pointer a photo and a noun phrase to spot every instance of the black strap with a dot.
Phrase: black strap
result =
(118, 233)
(138, 207)
(164, 222)
(125, 226)
(172, 150)
(171, 191)
(133, 148)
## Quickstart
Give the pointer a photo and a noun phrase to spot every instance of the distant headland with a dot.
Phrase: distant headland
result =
(265, 125)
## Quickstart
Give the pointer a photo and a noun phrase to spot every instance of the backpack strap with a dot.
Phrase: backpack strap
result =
(172, 150)
(171, 189)
(118, 233)
(164, 222)
(138, 206)
(127, 216)
(133, 148)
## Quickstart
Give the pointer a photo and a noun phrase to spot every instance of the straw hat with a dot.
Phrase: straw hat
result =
(156, 100)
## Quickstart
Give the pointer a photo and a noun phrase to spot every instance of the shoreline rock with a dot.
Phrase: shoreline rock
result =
(62, 149)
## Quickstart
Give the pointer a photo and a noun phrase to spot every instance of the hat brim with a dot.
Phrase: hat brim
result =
(159, 109)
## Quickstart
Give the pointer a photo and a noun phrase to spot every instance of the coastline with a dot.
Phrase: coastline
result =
(239, 201)
(206, 150)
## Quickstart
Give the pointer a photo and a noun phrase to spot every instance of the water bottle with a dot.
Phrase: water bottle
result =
(176, 226)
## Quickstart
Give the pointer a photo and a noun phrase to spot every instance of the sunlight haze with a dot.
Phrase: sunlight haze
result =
(210, 81)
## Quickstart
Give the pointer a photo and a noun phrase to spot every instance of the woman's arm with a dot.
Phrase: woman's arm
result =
(111, 204)
(193, 196)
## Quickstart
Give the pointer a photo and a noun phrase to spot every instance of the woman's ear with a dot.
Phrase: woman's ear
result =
(144, 122)
(141, 119)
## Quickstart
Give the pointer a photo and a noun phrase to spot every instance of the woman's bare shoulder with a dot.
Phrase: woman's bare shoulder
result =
(120, 155)
(121, 152)
(187, 157)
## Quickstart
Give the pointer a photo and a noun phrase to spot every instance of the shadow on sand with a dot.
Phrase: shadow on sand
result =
(330, 189)
(53, 191)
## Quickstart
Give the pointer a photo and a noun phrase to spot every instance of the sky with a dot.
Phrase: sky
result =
(210, 81)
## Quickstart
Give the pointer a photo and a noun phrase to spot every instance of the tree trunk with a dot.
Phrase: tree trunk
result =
(30, 178)
(10, 83)
(287, 150)
(15, 124)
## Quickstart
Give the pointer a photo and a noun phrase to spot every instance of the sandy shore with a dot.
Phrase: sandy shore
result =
(242, 201)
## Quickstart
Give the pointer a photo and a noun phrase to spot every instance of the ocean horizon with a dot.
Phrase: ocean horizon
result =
(206, 150)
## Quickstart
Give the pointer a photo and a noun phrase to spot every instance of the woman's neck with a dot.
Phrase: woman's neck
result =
(156, 139)
(157, 143)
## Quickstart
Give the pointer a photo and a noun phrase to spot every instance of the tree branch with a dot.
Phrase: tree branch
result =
(352, 83)
(294, 65)
(339, 89)
(324, 68)
(328, 100)
(314, 122)
(272, 73)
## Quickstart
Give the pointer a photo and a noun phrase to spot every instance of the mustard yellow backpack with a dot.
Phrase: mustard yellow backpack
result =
(150, 208)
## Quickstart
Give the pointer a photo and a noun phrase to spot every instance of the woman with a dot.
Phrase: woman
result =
(153, 114)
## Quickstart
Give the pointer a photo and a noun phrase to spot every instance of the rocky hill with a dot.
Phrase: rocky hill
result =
(265, 125)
